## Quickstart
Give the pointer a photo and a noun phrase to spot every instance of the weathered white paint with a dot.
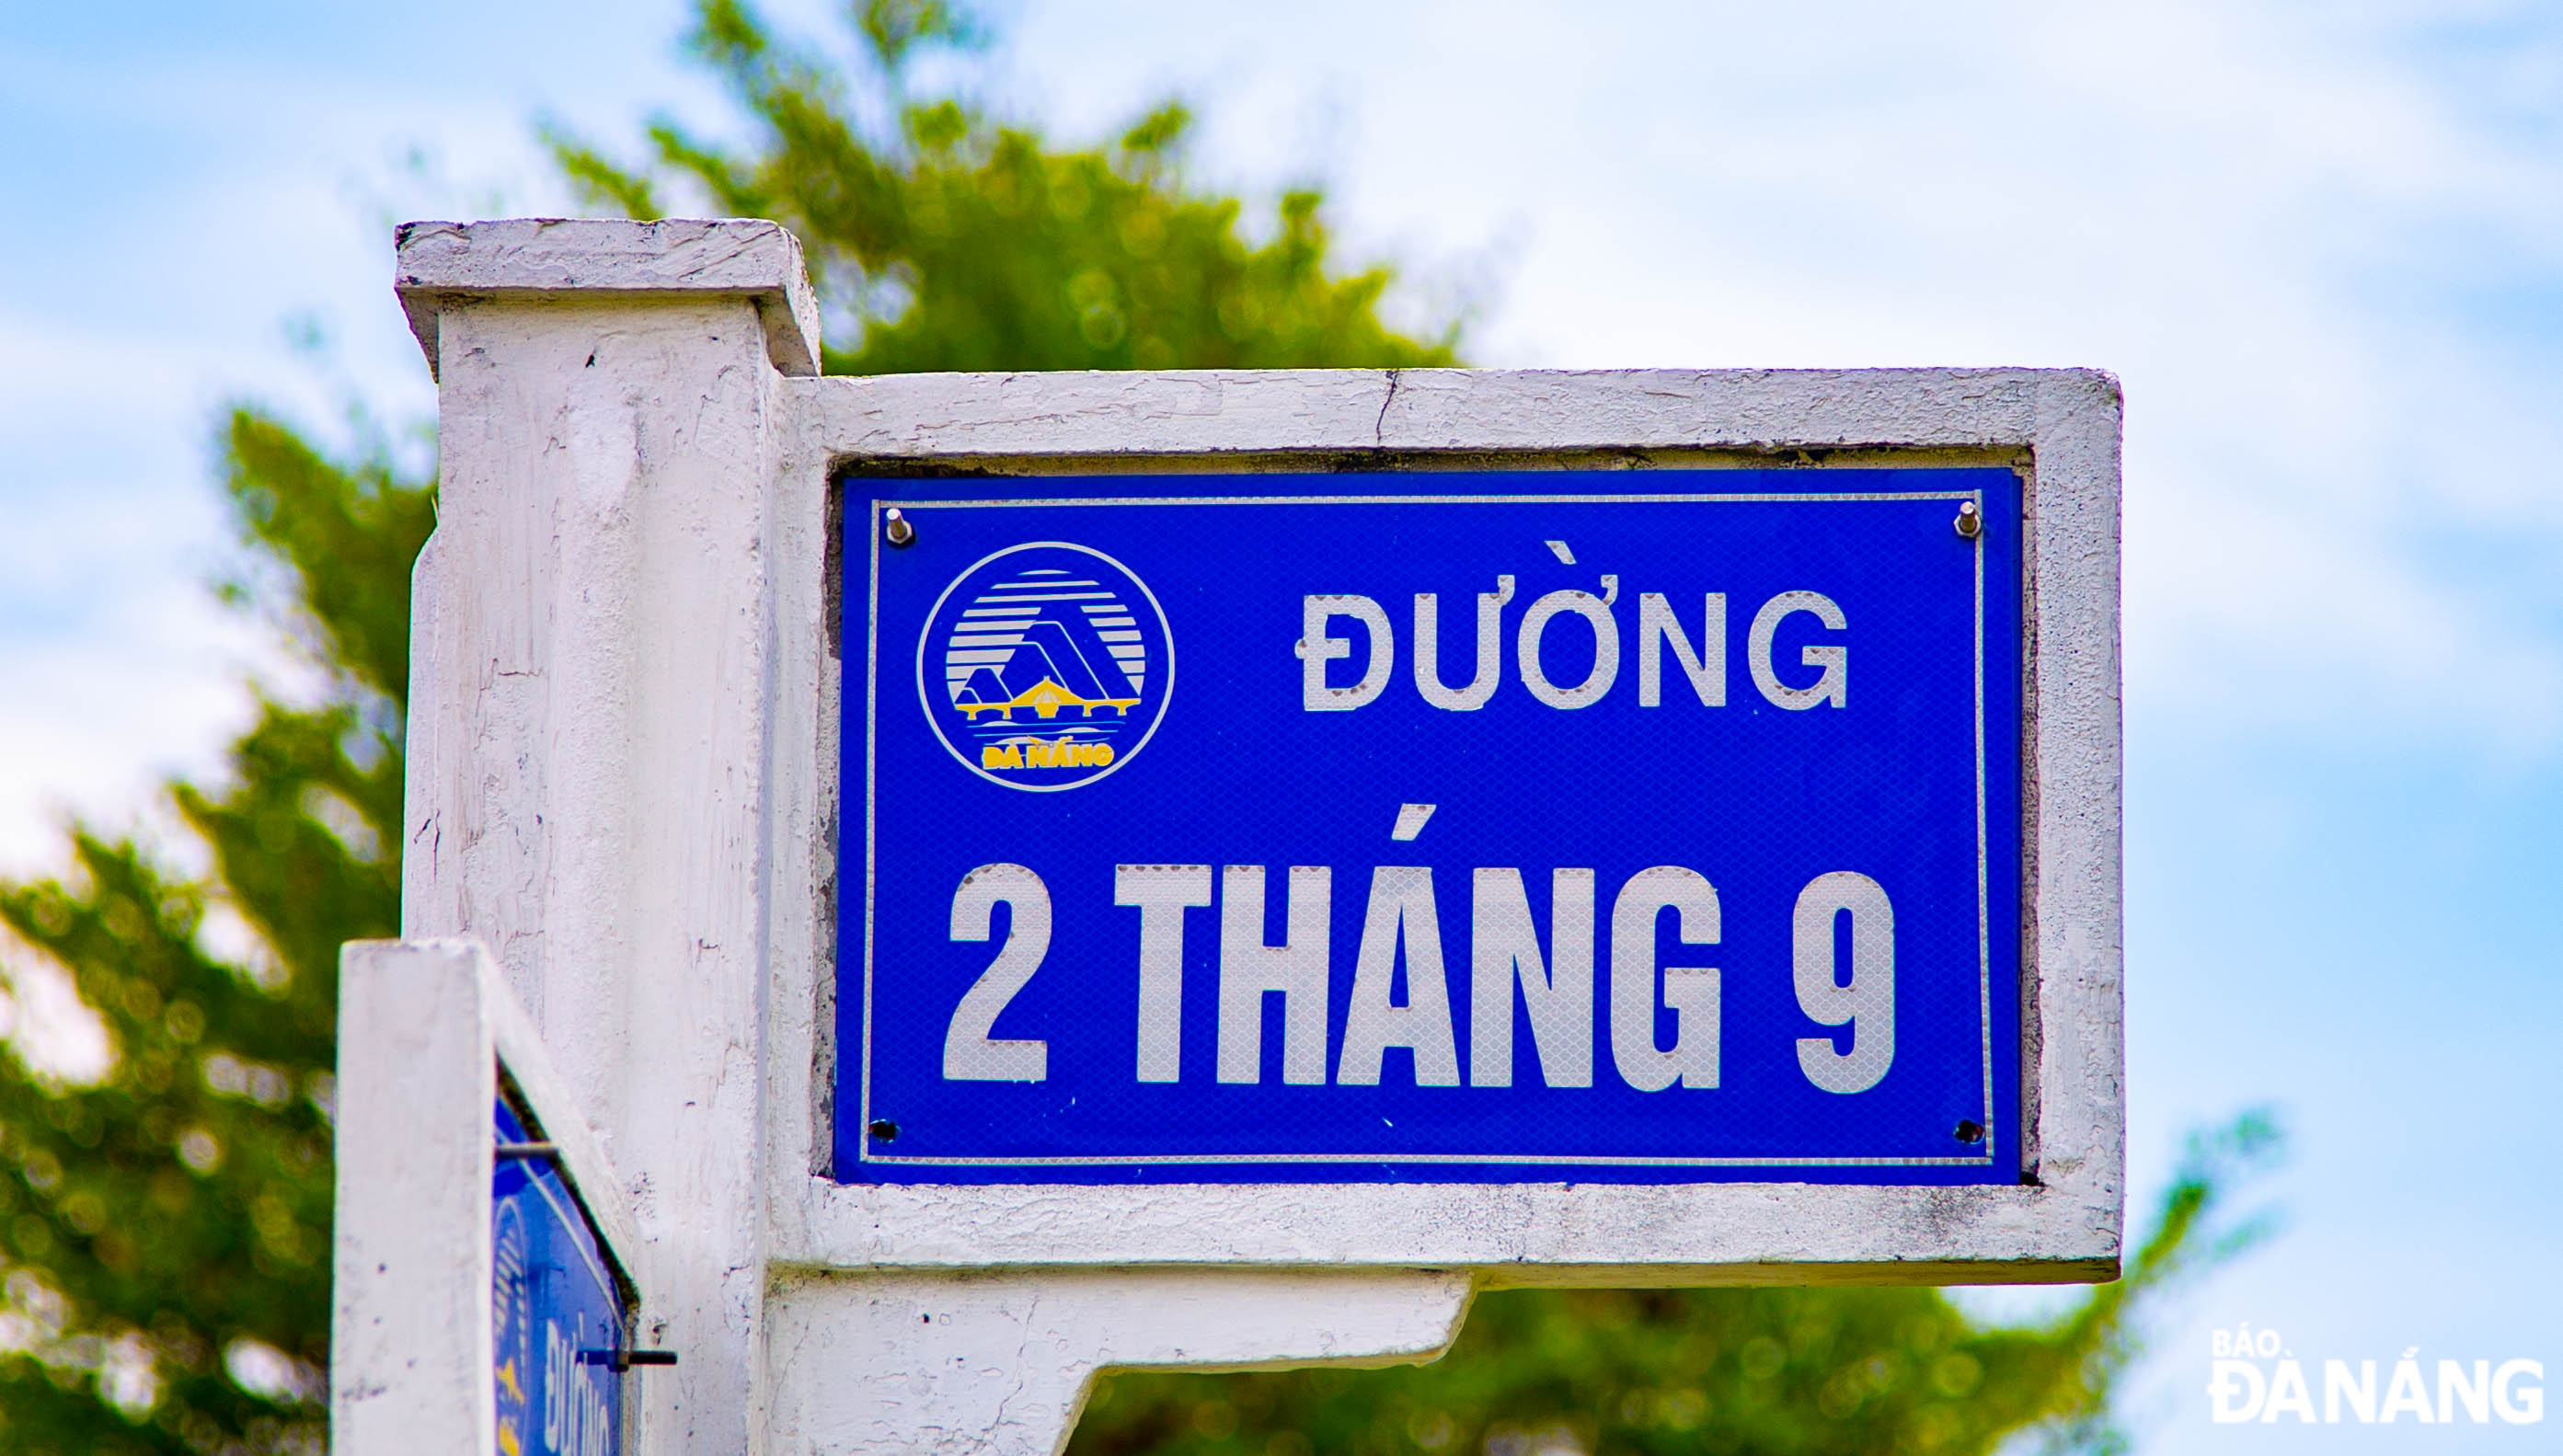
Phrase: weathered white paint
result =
(1003, 1362)
(527, 1061)
(409, 1329)
(2061, 427)
(590, 257)
(424, 1030)
(593, 729)
(623, 760)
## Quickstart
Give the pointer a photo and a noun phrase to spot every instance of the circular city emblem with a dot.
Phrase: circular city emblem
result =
(1045, 666)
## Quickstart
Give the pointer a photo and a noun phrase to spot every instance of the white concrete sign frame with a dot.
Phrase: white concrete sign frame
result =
(622, 778)
(427, 1030)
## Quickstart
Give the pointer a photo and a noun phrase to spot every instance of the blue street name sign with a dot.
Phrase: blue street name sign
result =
(556, 1318)
(1576, 826)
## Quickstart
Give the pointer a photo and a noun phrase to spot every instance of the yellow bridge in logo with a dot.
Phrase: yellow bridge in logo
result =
(1046, 698)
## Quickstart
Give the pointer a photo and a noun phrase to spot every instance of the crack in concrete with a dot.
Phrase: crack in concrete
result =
(1021, 1367)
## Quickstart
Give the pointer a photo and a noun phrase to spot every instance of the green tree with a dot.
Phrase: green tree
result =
(170, 1222)
(1802, 1371)
(941, 239)
(166, 1229)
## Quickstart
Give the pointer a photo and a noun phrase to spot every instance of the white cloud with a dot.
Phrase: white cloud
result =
(2291, 230)
(167, 304)
(44, 1019)
(2261, 216)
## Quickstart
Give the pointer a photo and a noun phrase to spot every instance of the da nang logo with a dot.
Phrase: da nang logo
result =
(1045, 666)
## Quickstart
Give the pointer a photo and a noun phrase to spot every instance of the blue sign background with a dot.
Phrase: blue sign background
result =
(556, 1317)
(1915, 781)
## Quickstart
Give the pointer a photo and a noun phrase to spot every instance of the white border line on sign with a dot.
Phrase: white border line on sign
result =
(573, 1214)
(871, 851)
(1984, 901)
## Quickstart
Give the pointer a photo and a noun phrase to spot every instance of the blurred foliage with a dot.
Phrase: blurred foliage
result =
(941, 239)
(1731, 1372)
(169, 1225)
(166, 1229)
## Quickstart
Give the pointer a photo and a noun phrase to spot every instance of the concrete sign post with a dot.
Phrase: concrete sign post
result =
(1032, 874)
(484, 1250)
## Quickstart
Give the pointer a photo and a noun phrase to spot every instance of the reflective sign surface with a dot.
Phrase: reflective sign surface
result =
(1536, 826)
(555, 1319)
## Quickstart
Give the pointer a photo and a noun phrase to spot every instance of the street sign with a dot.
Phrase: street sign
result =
(1079, 923)
(560, 1325)
(1568, 825)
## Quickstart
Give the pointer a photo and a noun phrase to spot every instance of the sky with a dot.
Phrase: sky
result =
(2318, 244)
